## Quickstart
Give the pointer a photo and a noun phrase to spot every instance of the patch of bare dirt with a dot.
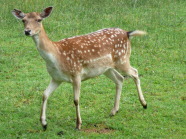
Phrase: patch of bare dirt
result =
(98, 128)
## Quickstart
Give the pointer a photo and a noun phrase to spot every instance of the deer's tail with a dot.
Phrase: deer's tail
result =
(136, 33)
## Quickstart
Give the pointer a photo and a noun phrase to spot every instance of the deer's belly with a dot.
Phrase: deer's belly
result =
(92, 72)
(97, 67)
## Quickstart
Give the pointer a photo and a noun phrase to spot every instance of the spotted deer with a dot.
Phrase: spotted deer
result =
(75, 59)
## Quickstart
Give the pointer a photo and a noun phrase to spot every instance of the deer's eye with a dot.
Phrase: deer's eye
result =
(23, 21)
(39, 20)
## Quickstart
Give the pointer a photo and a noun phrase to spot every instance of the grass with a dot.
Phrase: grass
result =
(159, 57)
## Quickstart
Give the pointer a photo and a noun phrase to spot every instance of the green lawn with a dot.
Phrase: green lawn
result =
(160, 58)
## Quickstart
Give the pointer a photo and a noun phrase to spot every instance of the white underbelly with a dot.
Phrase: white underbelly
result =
(97, 67)
(92, 72)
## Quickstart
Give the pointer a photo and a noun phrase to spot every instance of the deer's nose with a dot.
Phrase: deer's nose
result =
(27, 32)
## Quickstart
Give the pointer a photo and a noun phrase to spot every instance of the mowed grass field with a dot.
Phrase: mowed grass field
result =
(159, 57)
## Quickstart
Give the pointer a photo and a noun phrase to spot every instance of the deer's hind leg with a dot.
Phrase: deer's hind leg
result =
(129, 70)
(117, 78)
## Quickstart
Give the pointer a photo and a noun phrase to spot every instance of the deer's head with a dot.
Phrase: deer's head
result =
(32, 21)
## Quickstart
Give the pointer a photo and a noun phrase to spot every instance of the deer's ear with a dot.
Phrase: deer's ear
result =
(18, 14)
(46, 12)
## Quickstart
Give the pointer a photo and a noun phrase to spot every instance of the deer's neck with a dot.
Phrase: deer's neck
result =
(44, 45)
(42, 41)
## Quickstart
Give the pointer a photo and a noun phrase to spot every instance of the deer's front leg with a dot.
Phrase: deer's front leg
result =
(76, 89)
(52, 86)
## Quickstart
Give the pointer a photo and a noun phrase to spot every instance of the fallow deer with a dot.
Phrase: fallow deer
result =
(75, 59)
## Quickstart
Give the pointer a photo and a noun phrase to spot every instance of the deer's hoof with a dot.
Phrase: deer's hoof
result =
(44, 127)
(78, 127)
(113, 112)
(145, 107)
